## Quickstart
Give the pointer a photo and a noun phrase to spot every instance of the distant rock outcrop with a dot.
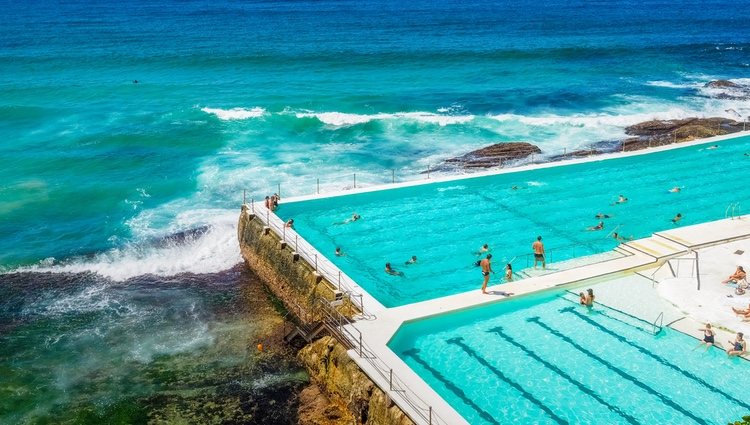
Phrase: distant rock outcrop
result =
(491, 156)
(720, 84)
(664, 132)
(725, 89)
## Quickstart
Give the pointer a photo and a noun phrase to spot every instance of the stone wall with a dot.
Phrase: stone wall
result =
(349, 396)
(338, 376)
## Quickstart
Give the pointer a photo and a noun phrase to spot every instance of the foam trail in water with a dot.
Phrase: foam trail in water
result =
(235, 113)
(341, 119)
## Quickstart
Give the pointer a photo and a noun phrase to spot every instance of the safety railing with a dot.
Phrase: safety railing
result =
(361, 179)
(344, 328)
(674, 268)
(321, 264)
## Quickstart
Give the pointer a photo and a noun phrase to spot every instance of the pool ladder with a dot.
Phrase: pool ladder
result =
(660, 321)
(733, 210)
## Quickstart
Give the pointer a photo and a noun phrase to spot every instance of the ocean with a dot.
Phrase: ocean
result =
(129, 131)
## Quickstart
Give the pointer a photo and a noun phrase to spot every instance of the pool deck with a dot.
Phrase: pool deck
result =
(638, 257)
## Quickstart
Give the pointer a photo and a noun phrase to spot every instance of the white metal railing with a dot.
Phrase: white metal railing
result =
(322, 265)
(694, 269)
(346, 328)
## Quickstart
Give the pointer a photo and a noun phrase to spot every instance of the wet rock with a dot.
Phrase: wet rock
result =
(720, 84)
(490, 156)
(664, 132)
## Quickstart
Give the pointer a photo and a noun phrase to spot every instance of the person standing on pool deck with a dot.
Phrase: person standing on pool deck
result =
(486, 265)
(538, 248)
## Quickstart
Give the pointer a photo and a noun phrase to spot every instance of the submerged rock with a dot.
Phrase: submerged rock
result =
(490, 156)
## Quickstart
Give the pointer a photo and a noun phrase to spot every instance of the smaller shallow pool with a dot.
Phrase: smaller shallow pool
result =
(543, 359)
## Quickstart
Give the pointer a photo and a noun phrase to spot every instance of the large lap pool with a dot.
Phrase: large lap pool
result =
(445, 223)
(543, 359)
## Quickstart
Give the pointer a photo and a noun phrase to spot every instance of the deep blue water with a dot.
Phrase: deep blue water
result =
(98, 171)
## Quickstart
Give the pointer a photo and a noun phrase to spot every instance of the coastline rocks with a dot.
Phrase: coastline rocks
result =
(726, 89)
(664, 132)
(490, 156)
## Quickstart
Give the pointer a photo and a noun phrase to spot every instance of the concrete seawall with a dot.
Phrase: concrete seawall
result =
(295, 282)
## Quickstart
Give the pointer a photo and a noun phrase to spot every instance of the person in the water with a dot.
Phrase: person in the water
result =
(621, 200)
(508, 272)
(599, 226)
(677, 218)
(338, 252)
(391, 271)
(601, 216)
(412, 260)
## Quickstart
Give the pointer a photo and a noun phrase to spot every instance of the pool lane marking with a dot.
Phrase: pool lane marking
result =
(527, 395)
(656, 357)
(583, 388)
(414, 353)
(614, 318)
(617, 370)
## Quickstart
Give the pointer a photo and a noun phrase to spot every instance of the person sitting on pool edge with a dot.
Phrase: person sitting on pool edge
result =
(411, 260)
(739, 346)
(391, 271)
(738, 275)
(708, 336)
(599, 226)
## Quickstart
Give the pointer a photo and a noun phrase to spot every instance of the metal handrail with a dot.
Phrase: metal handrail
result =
(660, 319)
(694, 271)
(322, 265)
(346, 329)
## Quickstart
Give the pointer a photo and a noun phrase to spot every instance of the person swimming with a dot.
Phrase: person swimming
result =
(290, 224)
(351, 219)
(599, 226)
(483, 249)
(621, 200)
(677, 218)
(411, 260)
(582, 298)
(338, 252)
(601, 216)
(675, 189)
(621, 238)
(712, 147)
(391, 271)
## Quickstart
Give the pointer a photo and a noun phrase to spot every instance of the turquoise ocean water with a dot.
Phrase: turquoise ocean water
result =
(113, 185)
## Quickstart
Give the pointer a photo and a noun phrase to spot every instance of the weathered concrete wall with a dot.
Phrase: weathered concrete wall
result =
(341, 379)
(353, 397)
(293, 282)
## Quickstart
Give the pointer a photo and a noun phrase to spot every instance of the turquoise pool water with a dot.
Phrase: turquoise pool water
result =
(545, 360)
(444, 224)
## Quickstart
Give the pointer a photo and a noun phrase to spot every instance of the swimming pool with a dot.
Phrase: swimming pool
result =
(543, 359)
(445, 223)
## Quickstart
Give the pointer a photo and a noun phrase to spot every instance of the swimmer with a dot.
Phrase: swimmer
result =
(621, 200)
(391, 271)
(411, 260)
(290, 224)
(677, 218)
(621, 238)
(338, 252)
(508, 273)
(351, 219)
(486, 265)
(599, 226)
(582, 298)
(601, 216)
(484, 249)
(590, 298)
(675, 189)
(712, 147)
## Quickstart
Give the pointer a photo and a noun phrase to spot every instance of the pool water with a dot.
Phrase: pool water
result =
(444, 224)
(543, 359)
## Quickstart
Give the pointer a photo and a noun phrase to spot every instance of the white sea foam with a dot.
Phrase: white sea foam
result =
(669, 84)
(341, 119)
(208, 252)
(235, 113)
